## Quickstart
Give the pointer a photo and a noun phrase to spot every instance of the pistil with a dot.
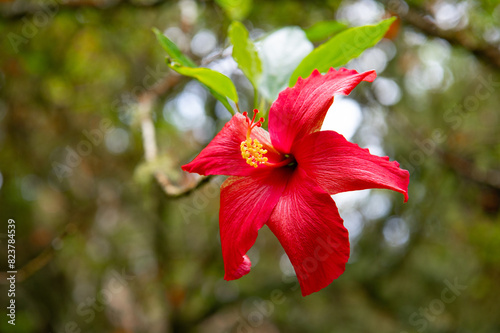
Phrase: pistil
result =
(251, 150)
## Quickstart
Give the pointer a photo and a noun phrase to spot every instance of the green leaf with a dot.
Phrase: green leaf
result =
(324, 29)
(222, 99)
(280, 53)
(245, 53)
(236, 9)
(341, 48)
(215, 81)
(219, 85)
(173, 51)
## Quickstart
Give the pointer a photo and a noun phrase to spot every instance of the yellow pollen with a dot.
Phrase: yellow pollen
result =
(252, 151)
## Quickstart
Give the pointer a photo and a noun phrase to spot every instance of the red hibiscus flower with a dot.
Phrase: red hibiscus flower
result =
(285, 178)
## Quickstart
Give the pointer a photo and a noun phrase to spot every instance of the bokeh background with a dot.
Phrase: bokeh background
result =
(109, 238)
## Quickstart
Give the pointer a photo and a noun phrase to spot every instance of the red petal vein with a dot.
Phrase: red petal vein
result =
(338, 165)
(307, 224)
(300, 110)
(245, 206)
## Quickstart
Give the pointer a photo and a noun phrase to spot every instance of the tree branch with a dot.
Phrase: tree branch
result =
(145, 104)
(176, 192)
(422, 20)
(468, 169)
(16, 10)
(462, 166)
(43, 258)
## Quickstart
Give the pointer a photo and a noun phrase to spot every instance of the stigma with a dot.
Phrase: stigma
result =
(251, 150)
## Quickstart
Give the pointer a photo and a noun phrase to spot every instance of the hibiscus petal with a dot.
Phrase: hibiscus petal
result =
(340, 166)
(301, 110)
(245, 206)
(222, 156)
(307, 224)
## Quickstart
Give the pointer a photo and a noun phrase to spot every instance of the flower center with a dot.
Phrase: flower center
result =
(252, 151)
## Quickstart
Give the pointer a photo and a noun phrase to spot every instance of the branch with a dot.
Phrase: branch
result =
(42, 259)
(16, 10)
(462, 166)
(422, 20)
(468, 169)
(32, 266)
(145, 105)
(145, 101)
(176, 192)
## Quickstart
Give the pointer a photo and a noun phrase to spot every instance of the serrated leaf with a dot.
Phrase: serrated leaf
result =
(323, 30)
(280, 53)
(245, 53)
(215, 81)
(340, 49)
(174, 53)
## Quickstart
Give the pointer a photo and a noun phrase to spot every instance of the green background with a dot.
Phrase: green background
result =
(101, 248)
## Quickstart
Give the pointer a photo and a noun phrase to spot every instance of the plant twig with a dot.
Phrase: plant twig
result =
(42, 259)
(145, 105)
(176, 192)
(16, 10)
(423, 21)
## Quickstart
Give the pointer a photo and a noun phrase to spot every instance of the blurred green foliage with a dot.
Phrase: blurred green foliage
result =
(104, 249)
